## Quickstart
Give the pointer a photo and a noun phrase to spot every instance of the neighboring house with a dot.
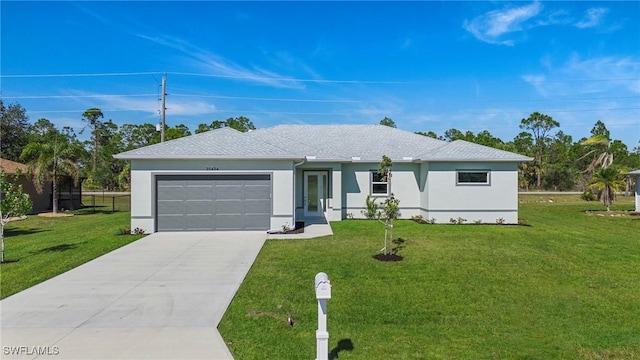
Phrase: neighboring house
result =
(636, 174)
(69, 195)
(228, 180)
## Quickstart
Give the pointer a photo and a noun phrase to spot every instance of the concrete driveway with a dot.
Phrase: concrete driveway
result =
(160, 297)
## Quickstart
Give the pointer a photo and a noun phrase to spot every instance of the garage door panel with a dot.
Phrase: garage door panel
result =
(230, 222)
(200, 207)
(257, 207)
(213, 202)
(256, 222)
(200, 222)
(171, 192)
(171, 223)
(235, 192)
(171, 207)
(257, 192)
(198, 192)
(230, 207)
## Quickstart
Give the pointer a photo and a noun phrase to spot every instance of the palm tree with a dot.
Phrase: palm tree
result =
(606, 181)
(604, 159)
(48, 160)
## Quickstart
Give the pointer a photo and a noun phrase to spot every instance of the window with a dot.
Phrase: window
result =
(378, 187)
(473, 177)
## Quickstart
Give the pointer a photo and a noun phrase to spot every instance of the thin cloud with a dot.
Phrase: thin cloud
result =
(148, 105)
(493, 25)
(608, 74)
(593, 17)
(219, 66)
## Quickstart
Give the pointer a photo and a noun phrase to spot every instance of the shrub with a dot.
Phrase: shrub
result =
(124, 231)
(500, 221)
(588, 196)
(372, 208)
(419, 219)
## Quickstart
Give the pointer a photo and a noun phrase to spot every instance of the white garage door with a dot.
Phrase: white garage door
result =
(213, 202)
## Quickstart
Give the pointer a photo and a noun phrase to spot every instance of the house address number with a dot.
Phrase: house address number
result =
(212, 168)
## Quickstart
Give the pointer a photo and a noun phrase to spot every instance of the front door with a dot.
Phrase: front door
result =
(314, 194)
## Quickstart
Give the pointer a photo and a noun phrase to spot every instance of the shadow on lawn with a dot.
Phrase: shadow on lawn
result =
(343, 344)
(99, 209)
(57, 248)
(23, 231)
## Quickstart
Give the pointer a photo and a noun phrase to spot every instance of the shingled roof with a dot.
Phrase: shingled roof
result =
(12, 167)
(320, 143)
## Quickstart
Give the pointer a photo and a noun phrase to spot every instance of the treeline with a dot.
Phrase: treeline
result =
(560, 162)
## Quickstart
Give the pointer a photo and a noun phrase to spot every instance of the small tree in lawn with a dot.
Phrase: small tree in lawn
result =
(389, 212)
(13, 202)
(606, 181)
(391, 206)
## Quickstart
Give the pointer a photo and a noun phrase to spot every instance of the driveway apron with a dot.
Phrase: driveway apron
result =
(160, 297)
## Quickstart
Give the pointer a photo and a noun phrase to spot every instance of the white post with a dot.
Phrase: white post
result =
(322, 336)
(637, 193)
(323, 292)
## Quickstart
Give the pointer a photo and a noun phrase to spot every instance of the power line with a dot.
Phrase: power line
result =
(298, 99)
(345, 113)
(75, 96)
(266, 78)
(78, 75)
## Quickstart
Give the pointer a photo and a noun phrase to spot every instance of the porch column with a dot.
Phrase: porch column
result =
(637, 193)
(336, 193)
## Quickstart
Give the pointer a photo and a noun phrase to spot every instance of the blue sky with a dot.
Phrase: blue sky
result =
(427, 65)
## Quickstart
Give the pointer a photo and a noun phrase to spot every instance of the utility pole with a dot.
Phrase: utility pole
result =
(163, 108)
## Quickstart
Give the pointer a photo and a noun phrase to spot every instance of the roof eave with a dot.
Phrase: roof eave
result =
(206, 157)
(477, 160)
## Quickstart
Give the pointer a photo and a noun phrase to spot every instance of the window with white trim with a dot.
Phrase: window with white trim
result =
(378, 187)
(473, 177)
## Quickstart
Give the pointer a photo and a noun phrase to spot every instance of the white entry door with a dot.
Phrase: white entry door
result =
(314, 193)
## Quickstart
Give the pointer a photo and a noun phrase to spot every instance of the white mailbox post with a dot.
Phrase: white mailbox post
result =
(323, 293)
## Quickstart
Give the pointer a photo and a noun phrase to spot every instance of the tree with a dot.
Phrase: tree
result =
(430, 134)
(13, 202)
(13, 130)
(606, 181)
(176, 132)
(241, 124)
(485, 138)
(41, 130)
(390, 207)
(388, 122)
(133, 136)
(600, 129)
(453, 134)
(92, 117)
(561, 174)
(47, 161)
(539, 125)
(602, 156)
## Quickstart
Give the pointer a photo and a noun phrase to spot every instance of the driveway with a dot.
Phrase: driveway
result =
(160, 297)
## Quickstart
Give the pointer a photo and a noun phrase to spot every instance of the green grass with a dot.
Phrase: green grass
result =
(566, 286)
(40, 248)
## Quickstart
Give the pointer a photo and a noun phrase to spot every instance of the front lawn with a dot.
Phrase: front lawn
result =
(566, 286)
(40, 248)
